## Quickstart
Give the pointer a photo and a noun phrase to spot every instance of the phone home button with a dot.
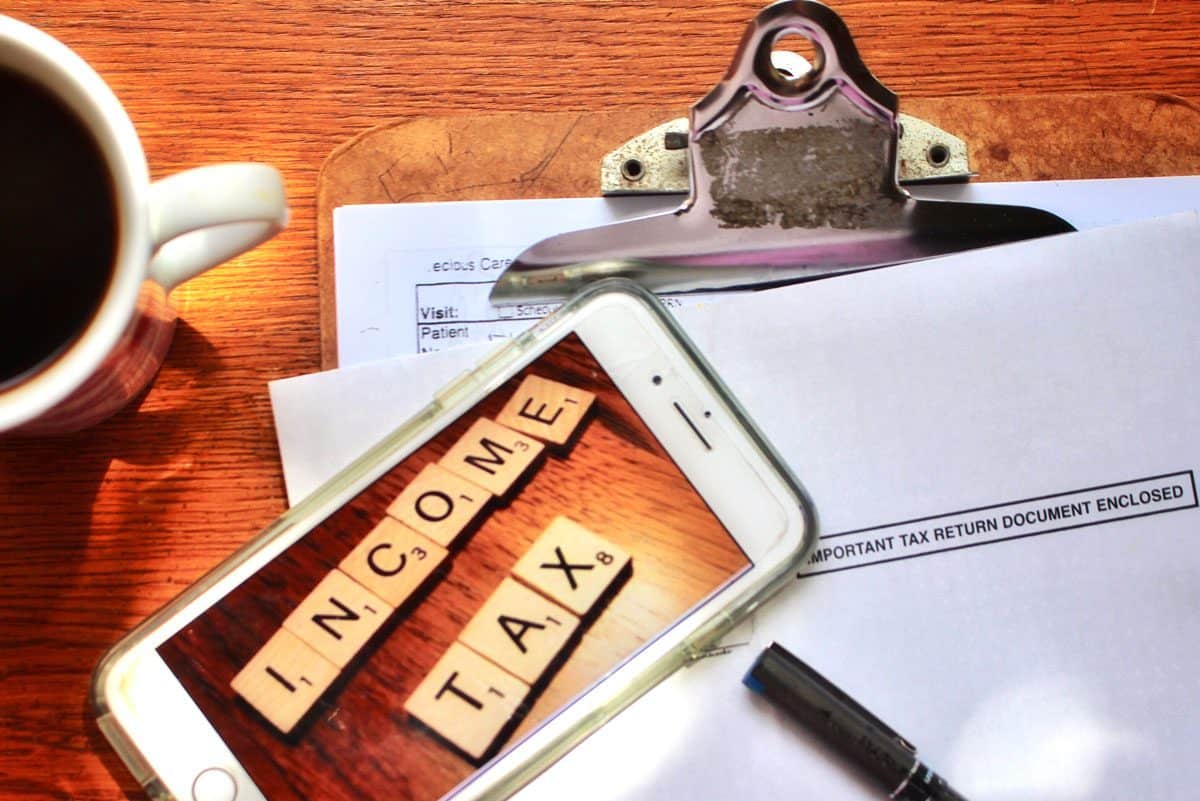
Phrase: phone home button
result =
(214, 784)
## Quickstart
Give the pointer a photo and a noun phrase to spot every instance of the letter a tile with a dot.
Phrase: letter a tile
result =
(492, 456)
(519, 630)
(571, 565)
(393, 561)
(338, 617)
(284, 679)
(439, 504)
(467, 700)
(546, 409)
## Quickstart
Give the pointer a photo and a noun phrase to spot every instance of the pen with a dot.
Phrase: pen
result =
(846, 726)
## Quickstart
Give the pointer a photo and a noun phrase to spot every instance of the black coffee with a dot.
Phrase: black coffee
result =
(58, 227)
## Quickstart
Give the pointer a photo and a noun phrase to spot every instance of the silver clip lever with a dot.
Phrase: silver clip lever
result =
(793, 178)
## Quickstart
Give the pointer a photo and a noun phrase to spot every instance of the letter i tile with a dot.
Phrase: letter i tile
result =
(284, 679)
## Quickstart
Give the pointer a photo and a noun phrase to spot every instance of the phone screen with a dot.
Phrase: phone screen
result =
(462, 599)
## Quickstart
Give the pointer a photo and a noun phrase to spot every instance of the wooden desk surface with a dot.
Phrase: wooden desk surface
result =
(101, 528)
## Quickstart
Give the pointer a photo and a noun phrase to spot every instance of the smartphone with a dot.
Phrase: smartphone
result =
(555, 533)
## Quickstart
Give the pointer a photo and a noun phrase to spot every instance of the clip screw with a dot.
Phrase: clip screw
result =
(632, 170)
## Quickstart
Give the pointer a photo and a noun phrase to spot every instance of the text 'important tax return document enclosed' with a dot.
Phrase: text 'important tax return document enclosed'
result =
(1002, 448)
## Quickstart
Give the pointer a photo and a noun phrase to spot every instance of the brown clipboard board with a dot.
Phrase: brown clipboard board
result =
(557, 154)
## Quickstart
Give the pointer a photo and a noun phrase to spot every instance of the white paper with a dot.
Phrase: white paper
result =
(324, 421)
(1059, 666)
(415, 277)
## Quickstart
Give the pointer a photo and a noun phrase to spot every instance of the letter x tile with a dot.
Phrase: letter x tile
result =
(571, 565)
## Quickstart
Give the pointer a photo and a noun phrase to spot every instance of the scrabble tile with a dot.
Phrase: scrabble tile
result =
(546, 409)
(338, 617)
(439, 504)
(284, 679)
(467, 700)
(393, 561)
(492, 456)
(571, 565)
(519, 630)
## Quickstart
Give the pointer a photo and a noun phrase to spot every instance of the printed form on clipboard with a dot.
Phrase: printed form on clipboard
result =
(415, 278)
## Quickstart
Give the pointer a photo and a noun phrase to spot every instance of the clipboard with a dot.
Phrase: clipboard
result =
(510, 155)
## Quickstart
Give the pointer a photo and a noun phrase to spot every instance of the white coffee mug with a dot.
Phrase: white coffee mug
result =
(167, 232)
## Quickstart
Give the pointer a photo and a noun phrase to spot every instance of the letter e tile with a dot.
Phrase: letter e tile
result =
(338, 617)
(393, 561)
(546, 409)
(492, 456)
(571, 565)
(284, 679)
(467, 700)
(439, 504)
(519, 630)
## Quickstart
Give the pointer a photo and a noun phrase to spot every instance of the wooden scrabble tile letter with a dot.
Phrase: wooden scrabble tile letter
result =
(284, 679)
(546, 409)
(519, 630)
(492, 456)
(338, 617)
(467, 700)
(393, 561)
(571, 565)
(439, 504)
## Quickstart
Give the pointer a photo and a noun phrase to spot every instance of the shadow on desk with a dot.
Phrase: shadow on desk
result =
(93, 537)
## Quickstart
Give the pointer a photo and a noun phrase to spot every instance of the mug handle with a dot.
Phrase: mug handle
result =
(205, 216)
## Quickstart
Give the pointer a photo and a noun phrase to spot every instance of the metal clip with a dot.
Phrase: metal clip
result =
(793, 177)
(656, 162)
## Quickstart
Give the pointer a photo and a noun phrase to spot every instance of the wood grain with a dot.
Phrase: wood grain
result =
(614, 480)
(99, 529)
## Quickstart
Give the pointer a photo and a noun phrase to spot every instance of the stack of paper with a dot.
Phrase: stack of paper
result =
(414, 277)
(1001, 447)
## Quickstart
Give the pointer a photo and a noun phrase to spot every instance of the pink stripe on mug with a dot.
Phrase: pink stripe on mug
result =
(126, 370)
